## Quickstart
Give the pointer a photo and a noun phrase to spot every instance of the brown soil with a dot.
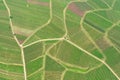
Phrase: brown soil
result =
(38, 3)
(103, 44)
(19, 32)
(75, 9)
(21, 41)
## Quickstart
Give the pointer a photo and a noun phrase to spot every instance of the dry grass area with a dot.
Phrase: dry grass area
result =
(53, 75)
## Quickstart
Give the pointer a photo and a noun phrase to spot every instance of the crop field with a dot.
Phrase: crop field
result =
(59, 39)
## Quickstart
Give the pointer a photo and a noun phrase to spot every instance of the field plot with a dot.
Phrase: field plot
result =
(99, 74)
(59, 40)
(27, 16)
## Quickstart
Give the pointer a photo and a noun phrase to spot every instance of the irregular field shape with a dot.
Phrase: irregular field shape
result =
(59, 40)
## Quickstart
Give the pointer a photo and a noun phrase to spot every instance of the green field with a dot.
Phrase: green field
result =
(59, 40)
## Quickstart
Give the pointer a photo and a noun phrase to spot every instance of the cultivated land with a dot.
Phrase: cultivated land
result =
(59, 40)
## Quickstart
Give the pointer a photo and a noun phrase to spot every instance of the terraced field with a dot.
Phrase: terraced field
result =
(59, 40)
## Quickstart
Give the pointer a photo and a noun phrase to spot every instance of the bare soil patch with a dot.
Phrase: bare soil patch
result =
(103, 44)
(38, 2)
(74, 8)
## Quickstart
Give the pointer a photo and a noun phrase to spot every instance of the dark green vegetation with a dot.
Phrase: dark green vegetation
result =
(59, 40)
